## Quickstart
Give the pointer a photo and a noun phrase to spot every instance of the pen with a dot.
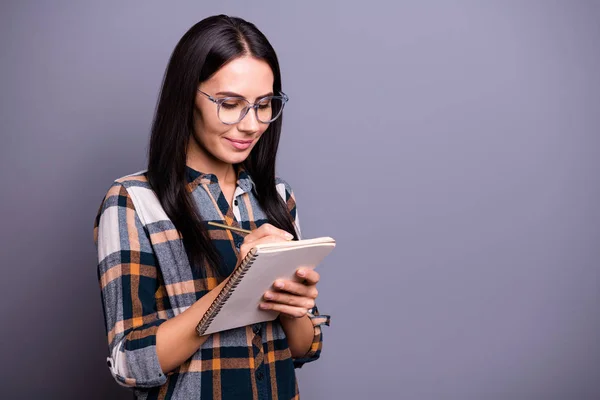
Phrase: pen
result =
(240, 230)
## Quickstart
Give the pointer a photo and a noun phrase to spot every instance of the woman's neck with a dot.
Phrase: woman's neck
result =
(198, 160)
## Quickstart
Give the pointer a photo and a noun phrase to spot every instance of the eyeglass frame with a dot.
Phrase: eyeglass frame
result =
(218, 101)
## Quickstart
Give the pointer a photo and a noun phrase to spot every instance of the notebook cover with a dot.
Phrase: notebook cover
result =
(237, 304)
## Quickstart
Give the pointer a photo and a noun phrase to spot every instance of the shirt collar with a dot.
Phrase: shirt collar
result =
(196, 178)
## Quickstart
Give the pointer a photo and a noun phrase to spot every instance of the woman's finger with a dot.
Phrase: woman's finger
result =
(245, 247)
(266, 230)
(270, 230)
(289, 299)
(310, 276)
(296, 288)
(296, 312)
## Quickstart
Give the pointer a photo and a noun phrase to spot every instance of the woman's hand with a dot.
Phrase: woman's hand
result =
(266, 233)
(293, 298)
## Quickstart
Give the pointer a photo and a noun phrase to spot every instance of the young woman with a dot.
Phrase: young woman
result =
(212, 158)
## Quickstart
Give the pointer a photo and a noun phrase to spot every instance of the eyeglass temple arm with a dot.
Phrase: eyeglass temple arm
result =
(208, 95)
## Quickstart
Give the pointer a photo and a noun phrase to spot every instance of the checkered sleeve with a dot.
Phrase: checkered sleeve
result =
(127, 273)
(316, 318)
(314, 353)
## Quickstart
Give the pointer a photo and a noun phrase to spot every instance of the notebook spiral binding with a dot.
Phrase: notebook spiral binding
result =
(226, 292)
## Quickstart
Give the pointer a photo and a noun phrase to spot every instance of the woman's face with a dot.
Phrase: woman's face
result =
(215, 143)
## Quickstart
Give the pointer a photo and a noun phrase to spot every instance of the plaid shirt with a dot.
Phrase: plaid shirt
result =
(145, 279)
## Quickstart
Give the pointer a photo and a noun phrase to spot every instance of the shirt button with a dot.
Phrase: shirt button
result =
(260, 375)
(235, 203)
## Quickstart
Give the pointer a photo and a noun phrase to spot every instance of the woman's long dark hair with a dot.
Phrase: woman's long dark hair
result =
(201, 52)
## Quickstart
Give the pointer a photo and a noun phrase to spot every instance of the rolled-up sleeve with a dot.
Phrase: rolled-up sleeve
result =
(127, 274)
(314, 353)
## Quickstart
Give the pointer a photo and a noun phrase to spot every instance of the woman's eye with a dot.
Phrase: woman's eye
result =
(229, 106)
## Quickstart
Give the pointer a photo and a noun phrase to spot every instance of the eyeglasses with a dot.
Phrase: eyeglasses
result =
(232, 110)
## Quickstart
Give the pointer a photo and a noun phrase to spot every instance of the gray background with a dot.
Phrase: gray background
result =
(451, 147)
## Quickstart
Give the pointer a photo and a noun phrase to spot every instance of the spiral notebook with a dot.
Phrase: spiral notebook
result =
(237, 303)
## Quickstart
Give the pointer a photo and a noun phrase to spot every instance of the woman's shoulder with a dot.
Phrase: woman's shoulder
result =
(122, 188)
(137, 179)
(134, 191)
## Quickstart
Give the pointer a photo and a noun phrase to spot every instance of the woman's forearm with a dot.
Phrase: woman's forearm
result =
(176, 338)
(300, 333)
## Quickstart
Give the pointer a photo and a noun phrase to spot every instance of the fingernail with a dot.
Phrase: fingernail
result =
(302, 273)
(264, 306)
(289, 236)
(268, 295)
(279, 285)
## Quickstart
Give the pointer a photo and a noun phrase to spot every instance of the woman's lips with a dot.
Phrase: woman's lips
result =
(239, 144)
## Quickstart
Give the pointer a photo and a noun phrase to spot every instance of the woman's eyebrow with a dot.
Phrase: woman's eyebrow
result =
(233, 94)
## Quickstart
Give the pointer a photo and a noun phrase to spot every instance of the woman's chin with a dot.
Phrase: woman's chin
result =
(235, 158)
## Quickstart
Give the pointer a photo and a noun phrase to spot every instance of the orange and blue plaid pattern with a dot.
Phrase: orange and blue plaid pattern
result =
(145, 279)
